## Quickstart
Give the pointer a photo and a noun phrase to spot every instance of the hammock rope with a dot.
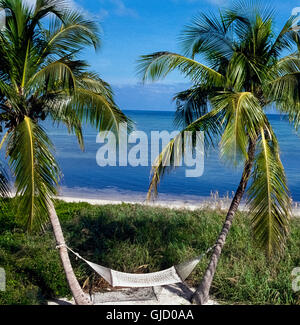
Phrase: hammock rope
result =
(173, 275)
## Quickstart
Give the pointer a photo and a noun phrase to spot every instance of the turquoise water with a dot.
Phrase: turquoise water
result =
(83, 177)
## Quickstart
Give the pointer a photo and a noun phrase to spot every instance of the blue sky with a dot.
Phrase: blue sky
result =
(135, 27)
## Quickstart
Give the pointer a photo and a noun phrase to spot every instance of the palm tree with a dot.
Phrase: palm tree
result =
(239, 67)
(42, 77)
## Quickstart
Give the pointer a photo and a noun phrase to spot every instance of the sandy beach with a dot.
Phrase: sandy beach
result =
(211, 203)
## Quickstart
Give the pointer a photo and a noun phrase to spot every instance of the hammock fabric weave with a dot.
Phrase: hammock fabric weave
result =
(173, 275)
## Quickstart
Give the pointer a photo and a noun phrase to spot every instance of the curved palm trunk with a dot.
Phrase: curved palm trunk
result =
(78, 294)
(202, 294)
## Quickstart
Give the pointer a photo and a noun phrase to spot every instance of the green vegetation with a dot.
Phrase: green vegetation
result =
(126, 237)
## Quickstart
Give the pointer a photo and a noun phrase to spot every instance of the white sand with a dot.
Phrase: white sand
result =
(171, 295)
(165, 204)
(222, 204)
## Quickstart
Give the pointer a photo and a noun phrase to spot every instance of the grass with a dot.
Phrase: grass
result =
(135, 238)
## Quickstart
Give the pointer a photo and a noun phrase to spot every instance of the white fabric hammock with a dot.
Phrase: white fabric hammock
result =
(173, 275)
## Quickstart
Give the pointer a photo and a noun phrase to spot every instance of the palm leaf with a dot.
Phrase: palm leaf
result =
(269, 199)
(93, 102)
(283, 86)
(284, 39)
(160, 64)
(35, 169)
(191, 105)
(62, 113)
(44, 8)
(69, 34)
(170, 157)
(243, 117)
(57, 75)
(208, 35)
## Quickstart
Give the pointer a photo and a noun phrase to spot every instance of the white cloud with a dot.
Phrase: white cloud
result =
(103, 14)
(108, 7)
(70, 4)
(116, 7)
(75, 5)
(122, 10)
(152, 96)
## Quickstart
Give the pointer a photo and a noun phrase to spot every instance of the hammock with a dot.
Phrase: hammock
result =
(173, 275)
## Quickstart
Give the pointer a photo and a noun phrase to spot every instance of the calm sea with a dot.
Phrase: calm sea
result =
(82, 177)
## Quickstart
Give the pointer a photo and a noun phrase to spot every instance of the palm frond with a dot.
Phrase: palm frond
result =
(44, 8)
(284, 85)
(243, 117)
(170, 157)
(284, 40)
(4, 138)
(159, 65)
(238, 69)
(243, 14)
(69, 35)
(35, 169)
(93, 102)
(283, 88)
(269, 199)
(61, 113)
(191, 105)
(208, 35)
(58, 75)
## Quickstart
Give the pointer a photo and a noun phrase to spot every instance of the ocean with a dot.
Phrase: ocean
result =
(83, 178)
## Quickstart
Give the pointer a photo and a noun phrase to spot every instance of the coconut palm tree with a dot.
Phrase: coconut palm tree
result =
(42, 77)
(239, 67)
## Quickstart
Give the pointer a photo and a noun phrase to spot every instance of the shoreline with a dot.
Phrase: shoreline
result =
(218, 204)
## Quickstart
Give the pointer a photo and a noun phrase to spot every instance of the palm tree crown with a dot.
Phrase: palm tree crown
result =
(41, 76)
